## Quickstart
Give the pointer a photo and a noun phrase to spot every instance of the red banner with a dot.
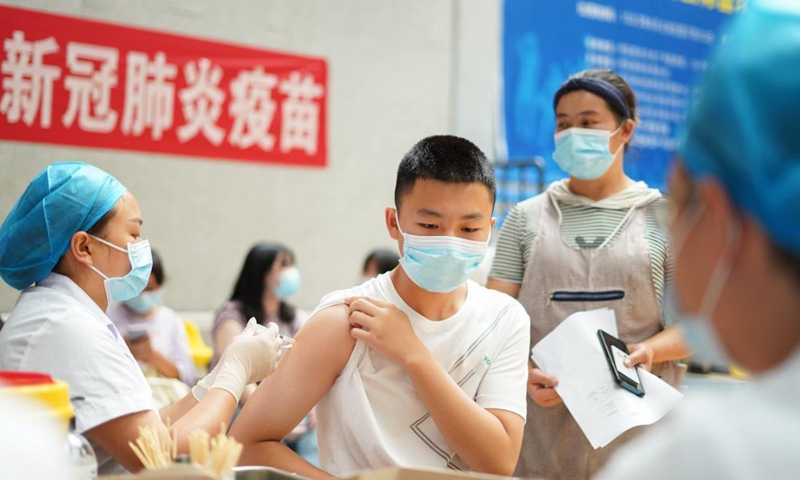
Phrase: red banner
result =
(73, 81)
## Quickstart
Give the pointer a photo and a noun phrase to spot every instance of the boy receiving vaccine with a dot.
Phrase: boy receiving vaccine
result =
(419, 367)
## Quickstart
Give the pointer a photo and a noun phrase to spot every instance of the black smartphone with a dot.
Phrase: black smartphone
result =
(136, 332)
(616, 351)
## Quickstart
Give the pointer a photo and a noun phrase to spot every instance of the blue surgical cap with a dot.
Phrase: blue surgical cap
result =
(63, 199)
(744, 128)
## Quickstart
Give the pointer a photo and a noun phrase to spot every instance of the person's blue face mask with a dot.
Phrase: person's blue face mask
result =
(584, 152)
(289, 283)
(145, 301)
(119, 289)
(698, 330)
(440, 264)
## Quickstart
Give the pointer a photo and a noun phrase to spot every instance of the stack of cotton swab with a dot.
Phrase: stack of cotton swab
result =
(154, 450)
(219, 455)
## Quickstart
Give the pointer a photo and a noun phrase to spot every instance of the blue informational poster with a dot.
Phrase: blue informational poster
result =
(658, 46)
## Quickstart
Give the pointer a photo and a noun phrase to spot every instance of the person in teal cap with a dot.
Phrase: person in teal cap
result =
(72, 243)
(736, 238)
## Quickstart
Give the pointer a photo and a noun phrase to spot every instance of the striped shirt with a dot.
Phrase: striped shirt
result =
(583, 227)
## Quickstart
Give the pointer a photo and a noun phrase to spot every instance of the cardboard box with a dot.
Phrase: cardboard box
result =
(188, 472)
(192, 472)
(175, 472)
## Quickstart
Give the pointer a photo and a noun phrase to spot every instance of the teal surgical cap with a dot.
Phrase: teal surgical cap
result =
(65, 198)
(744, 128)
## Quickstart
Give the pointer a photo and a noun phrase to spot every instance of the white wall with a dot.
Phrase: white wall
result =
(477, 77)
(390, 84)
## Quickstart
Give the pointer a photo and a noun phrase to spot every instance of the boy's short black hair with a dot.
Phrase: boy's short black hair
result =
(445, 158)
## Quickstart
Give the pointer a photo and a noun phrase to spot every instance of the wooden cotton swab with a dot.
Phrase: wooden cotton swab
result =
(139, 455)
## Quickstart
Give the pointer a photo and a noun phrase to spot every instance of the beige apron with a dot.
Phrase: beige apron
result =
(559, 281)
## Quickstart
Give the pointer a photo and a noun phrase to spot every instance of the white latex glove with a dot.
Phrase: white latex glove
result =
(202, 386)
(249, 358)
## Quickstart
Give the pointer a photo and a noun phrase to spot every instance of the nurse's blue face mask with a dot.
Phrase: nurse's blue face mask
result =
(440, 263)
(698, 329)
(585, 153)
(119, 289)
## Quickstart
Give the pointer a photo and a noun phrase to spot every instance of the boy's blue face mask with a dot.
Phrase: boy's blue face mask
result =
(119, 289)
(584, 153)
(440, 264)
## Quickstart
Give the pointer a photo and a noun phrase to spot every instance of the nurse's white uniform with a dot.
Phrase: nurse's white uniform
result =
(754, 433)
(57, 329)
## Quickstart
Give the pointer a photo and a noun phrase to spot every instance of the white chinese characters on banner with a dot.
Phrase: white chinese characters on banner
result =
(96, 103)
(27, 81)
(202, 102)
(90, 87)
(252, 108)
(300, 113)
(149, 95)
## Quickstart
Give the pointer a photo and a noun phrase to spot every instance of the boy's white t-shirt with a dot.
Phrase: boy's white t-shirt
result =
(372, 416)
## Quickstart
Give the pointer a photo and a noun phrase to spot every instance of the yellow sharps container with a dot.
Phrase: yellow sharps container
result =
(53, 395)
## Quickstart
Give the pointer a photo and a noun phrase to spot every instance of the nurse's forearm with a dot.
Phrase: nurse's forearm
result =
(187, 415)
(177, 410)
(216, 407)
(668, 345)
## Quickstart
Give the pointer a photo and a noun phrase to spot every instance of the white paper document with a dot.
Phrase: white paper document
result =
(572, 353)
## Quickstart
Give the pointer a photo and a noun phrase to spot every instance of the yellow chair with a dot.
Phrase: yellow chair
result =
(201, 353)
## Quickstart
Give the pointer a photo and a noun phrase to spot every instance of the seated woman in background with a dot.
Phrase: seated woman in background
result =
(268, 277)
(378, 262)
(155, 333)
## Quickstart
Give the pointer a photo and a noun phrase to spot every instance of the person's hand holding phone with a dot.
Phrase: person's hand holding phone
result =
(641, 355)
(141, 348)
(541, 388)
(623, 368)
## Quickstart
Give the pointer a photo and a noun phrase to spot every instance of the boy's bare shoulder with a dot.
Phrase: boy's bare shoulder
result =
(330, 320)
(326, 336)
(331, 313)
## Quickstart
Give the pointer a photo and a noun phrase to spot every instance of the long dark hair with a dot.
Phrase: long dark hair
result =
(249, 287)
(385, 260)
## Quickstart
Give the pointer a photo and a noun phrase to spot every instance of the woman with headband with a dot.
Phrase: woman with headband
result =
(590, 241)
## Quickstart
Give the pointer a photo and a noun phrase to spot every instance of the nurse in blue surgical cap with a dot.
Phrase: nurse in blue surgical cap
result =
(736, 240)
(73, 244)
